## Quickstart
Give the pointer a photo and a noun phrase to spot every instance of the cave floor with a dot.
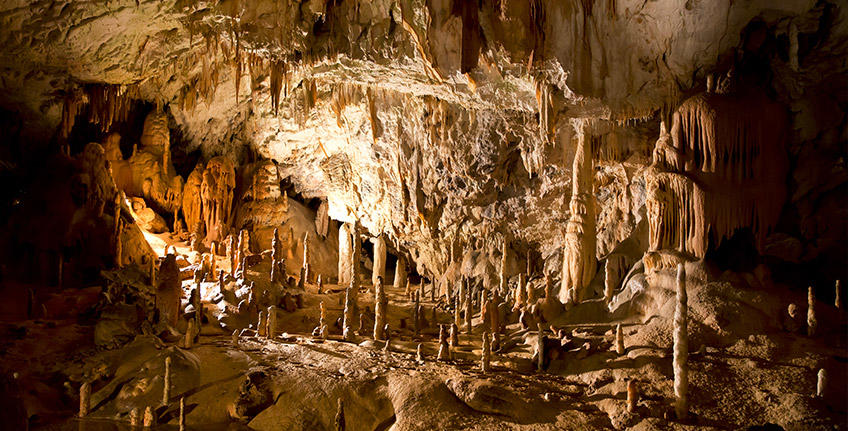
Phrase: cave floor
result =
(760, 379)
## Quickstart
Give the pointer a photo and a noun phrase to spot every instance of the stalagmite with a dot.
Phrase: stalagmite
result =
(235, 338)
(486, 356)
(540, 348)
(340, 417)
(347, 317)
(681, 348)
(416, 314)
(189, 335)
(419, 356)
(166, 393)
(230, 253)
(837, 301)
(401, 277)
(619, 340)
(632, 395)
(454, 336)
(380, 304)
(444, 349)
(305, 273)
(355, 257)
(521, 292)
(181, 422)
(578, 265)
(468, 326)
(821, 384)
(457, 315)
(119, 246)
(503, 280)
(85, 399)
(345, 250)
(272, 322)
(135, 417)
(608, 282)
(261, 324)
(320, 284)
(149, 420)
(812, 322)
(379, 268)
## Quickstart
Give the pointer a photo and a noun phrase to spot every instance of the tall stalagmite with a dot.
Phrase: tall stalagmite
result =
(681, 348)
(379, 268)
(578, 265)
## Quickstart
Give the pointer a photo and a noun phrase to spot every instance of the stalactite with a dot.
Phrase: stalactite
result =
(721, 167)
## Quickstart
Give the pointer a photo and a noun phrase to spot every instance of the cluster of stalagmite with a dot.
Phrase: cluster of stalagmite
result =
(216, 197)
(578, 266)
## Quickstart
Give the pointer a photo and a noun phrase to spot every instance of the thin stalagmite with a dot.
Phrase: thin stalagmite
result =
(468, 326)
(271, 330)
(619, 340)
(632, 395)
(85, 399)
(379, 265)
(166, 393)
(681, 348)
(812, 321)
(486, 356)
(380, 305)
(444, 349)
(821, 383)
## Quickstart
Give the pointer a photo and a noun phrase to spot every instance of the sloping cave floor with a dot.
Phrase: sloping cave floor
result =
(297, 379)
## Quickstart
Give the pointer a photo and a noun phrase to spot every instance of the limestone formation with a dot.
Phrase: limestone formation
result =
(502, 286)
(135, 417)
(340, 417)
(345, 251)
(578, 265)
(444, 349)
(540, 348)
(188, 341)
(191, 202)
(149, 420)
(272, 322)
(619, 340)
(812, 321)
(401, 277)
(166, 393)
(262, 324)
(305, 272)
(349, 311)
(681, 348)
(181, 422)
(355, 256)
(486, 356)
(169, 290)
(468, 326)
(521, 292)
(632, 396)
(419, 357)
(608, 282)
(837, 299)
(821, 383)
(454, 336)
(379, 264)
(85, 399)
(216, 197)
(416, 314)
(380, 305)
(457, 316)
(235, 338)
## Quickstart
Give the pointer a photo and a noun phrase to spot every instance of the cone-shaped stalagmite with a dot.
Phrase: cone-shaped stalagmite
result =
(271, 330)
(578, 265)
(821, 384)
(85, 399)
(401, 277)
(444, 349)
(468, 326)
(632, 396)
(347, 317)
(681, 348)
(619, 340)
(379, 266)
(380, 304)
(812, 321)
(345, 249)
(306, 272)
(486, 357)
(166, 393)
